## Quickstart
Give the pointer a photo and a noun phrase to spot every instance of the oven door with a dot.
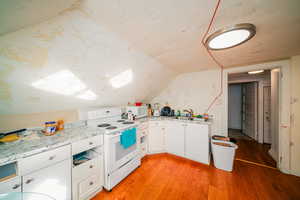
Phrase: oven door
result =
(117, 155)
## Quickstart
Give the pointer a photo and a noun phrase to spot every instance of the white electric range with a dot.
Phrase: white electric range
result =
(119, 162)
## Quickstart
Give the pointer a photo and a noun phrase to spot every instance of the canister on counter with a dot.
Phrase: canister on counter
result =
(50, 128)
(60, 125)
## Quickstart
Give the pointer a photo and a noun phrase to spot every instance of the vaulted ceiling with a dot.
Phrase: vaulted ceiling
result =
(98, 39)
(171, 30)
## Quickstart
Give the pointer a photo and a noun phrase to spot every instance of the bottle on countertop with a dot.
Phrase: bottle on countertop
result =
(150, 111)
(60, 125)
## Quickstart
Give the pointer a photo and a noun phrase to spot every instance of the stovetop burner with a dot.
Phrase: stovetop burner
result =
(103, 125)
(111, 127)
(128, 122)
(121, 120)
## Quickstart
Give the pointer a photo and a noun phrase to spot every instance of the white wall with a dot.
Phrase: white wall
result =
(235, 106)
(295, 123)
(196, 91)
(19, 121)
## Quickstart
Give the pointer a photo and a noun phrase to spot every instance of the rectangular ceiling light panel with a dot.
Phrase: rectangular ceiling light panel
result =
(87, 95)
(121, 79)
(62, 82)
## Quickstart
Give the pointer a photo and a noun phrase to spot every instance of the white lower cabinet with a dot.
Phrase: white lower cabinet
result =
(175, 138)
(54, 180)
(87, 178)
(197, 143)
(156, 137)
(189, 140)
(11, 185)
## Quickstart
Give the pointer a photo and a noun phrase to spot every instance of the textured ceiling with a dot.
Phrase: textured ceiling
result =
(98, 39)
(16, 14)
(171, 30)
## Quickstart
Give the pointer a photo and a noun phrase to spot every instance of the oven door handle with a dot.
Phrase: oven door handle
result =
(115, 135)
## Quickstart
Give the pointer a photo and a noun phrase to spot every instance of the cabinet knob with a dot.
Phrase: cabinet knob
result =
(29, 181)
(91, 166)
(91, 183)
(91, 143)
(16, 186)
(51, 157)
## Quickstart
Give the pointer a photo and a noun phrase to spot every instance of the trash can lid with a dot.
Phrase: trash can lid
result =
(223, 144)
(219, 137)
(226, 144)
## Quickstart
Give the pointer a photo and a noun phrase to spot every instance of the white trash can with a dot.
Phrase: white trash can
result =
(223, 154)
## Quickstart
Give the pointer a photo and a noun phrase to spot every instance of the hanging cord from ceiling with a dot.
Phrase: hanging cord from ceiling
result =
(212, 56)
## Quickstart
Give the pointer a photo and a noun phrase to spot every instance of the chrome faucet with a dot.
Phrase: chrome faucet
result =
(190, 111)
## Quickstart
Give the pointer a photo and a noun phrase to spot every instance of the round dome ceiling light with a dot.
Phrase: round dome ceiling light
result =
(230, 36)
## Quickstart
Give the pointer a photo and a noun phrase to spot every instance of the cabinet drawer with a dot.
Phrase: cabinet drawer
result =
(41, 160)
(87, 144)
(156, 123)
(88, 185)
(11, 185)
(88, 168)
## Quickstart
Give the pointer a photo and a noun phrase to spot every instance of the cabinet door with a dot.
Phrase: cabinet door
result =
(156, 137)
(175, 138)
(54, 181)
(197, 142)
(11, 185)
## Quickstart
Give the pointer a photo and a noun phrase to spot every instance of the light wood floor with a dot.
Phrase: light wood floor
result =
(251, 150)
(168, 177)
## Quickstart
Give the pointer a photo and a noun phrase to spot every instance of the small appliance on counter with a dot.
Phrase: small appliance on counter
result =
(165, 111)
(156, 110)
(137, 111)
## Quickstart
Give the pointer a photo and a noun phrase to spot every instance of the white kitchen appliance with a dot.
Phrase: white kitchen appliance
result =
(138, 111)
(119, 162)
(156, 110)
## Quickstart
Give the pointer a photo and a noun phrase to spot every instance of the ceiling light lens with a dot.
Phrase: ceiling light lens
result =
(87, 95)
(230, 37)
(256, 72)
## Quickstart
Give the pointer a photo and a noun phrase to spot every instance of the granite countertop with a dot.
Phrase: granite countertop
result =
(162, 118)
(33, 141)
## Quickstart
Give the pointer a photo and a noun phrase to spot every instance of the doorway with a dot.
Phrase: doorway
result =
(267, 115)
(248, 96)
(242, 107)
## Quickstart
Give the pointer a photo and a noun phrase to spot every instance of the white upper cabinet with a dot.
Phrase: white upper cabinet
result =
(175, 137)
(197, 142)
(156, 137)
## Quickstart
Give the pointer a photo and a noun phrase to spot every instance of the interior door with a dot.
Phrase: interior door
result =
(267, 114)
(175, 138)
(54, 181)
(250, 109)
